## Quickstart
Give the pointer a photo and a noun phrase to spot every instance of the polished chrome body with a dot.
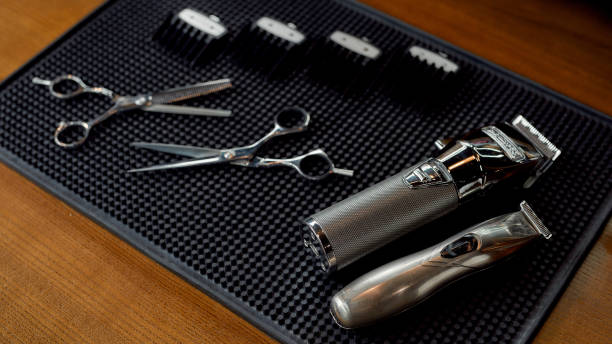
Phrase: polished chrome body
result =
(485, 157)
(506, 152)
(378, 215)
(153, 102)
(428, 173)
(245, 155)
(465, 167)
(403, 283)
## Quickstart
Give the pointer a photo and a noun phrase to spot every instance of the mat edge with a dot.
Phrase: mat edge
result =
(169, 262)
(594, 229)
(377, 14)
(57, 41)
(141, 244)
(569, 267)
(236, 305)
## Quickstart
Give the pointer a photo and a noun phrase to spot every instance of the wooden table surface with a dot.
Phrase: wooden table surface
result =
(65, 279)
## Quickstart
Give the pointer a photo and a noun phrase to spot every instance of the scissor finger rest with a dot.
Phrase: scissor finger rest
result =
(317, 165)
(314, 165)
(78, 87)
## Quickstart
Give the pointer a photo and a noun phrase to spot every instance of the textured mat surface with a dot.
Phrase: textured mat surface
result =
(234, 231)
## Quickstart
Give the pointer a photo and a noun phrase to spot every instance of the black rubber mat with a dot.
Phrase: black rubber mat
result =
(234, 232)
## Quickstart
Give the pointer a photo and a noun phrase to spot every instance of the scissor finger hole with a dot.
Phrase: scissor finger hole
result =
(66, 87)
(315, 166)
(71, 134)
(292, 118)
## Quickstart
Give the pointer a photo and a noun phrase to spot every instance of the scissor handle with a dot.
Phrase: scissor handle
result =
(314, 165)
(63, 126)
(291, 120)
(287, 121)
(81, 87)
(306, 165)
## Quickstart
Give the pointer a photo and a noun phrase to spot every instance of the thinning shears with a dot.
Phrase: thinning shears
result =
(154, 102)
(314, 165)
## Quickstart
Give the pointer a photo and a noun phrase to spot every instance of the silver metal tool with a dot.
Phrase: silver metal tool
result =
(154, 102)
(288, 121)
(403, 283)
(513, 153)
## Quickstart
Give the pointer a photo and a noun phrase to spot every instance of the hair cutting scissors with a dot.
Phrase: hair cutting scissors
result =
(154, 102)
(314, 165)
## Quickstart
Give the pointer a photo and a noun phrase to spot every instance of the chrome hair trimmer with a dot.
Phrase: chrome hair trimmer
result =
(514, 153)
(403, 283)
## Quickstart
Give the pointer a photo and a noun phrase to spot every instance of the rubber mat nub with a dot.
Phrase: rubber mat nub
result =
(234, 231)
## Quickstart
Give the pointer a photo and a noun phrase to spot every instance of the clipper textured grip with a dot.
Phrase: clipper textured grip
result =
(380, 214)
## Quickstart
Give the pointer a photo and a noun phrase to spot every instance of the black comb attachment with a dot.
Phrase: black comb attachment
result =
(270, 45)
(345, 61)
(192, 35)
(422, 77)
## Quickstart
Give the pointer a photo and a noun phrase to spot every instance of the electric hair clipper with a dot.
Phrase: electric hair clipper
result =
(481, 159)
(403, 283)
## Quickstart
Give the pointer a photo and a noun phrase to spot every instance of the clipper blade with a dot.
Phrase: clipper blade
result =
(540, 141)
(535, 220)
(548, 150)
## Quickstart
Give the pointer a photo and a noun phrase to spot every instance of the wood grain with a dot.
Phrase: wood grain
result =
(65, 279)
(564, 45)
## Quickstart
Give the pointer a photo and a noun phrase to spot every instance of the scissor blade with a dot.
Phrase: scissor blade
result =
(188, 110)
(181, 164)
(188, 151)
(190, 91)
